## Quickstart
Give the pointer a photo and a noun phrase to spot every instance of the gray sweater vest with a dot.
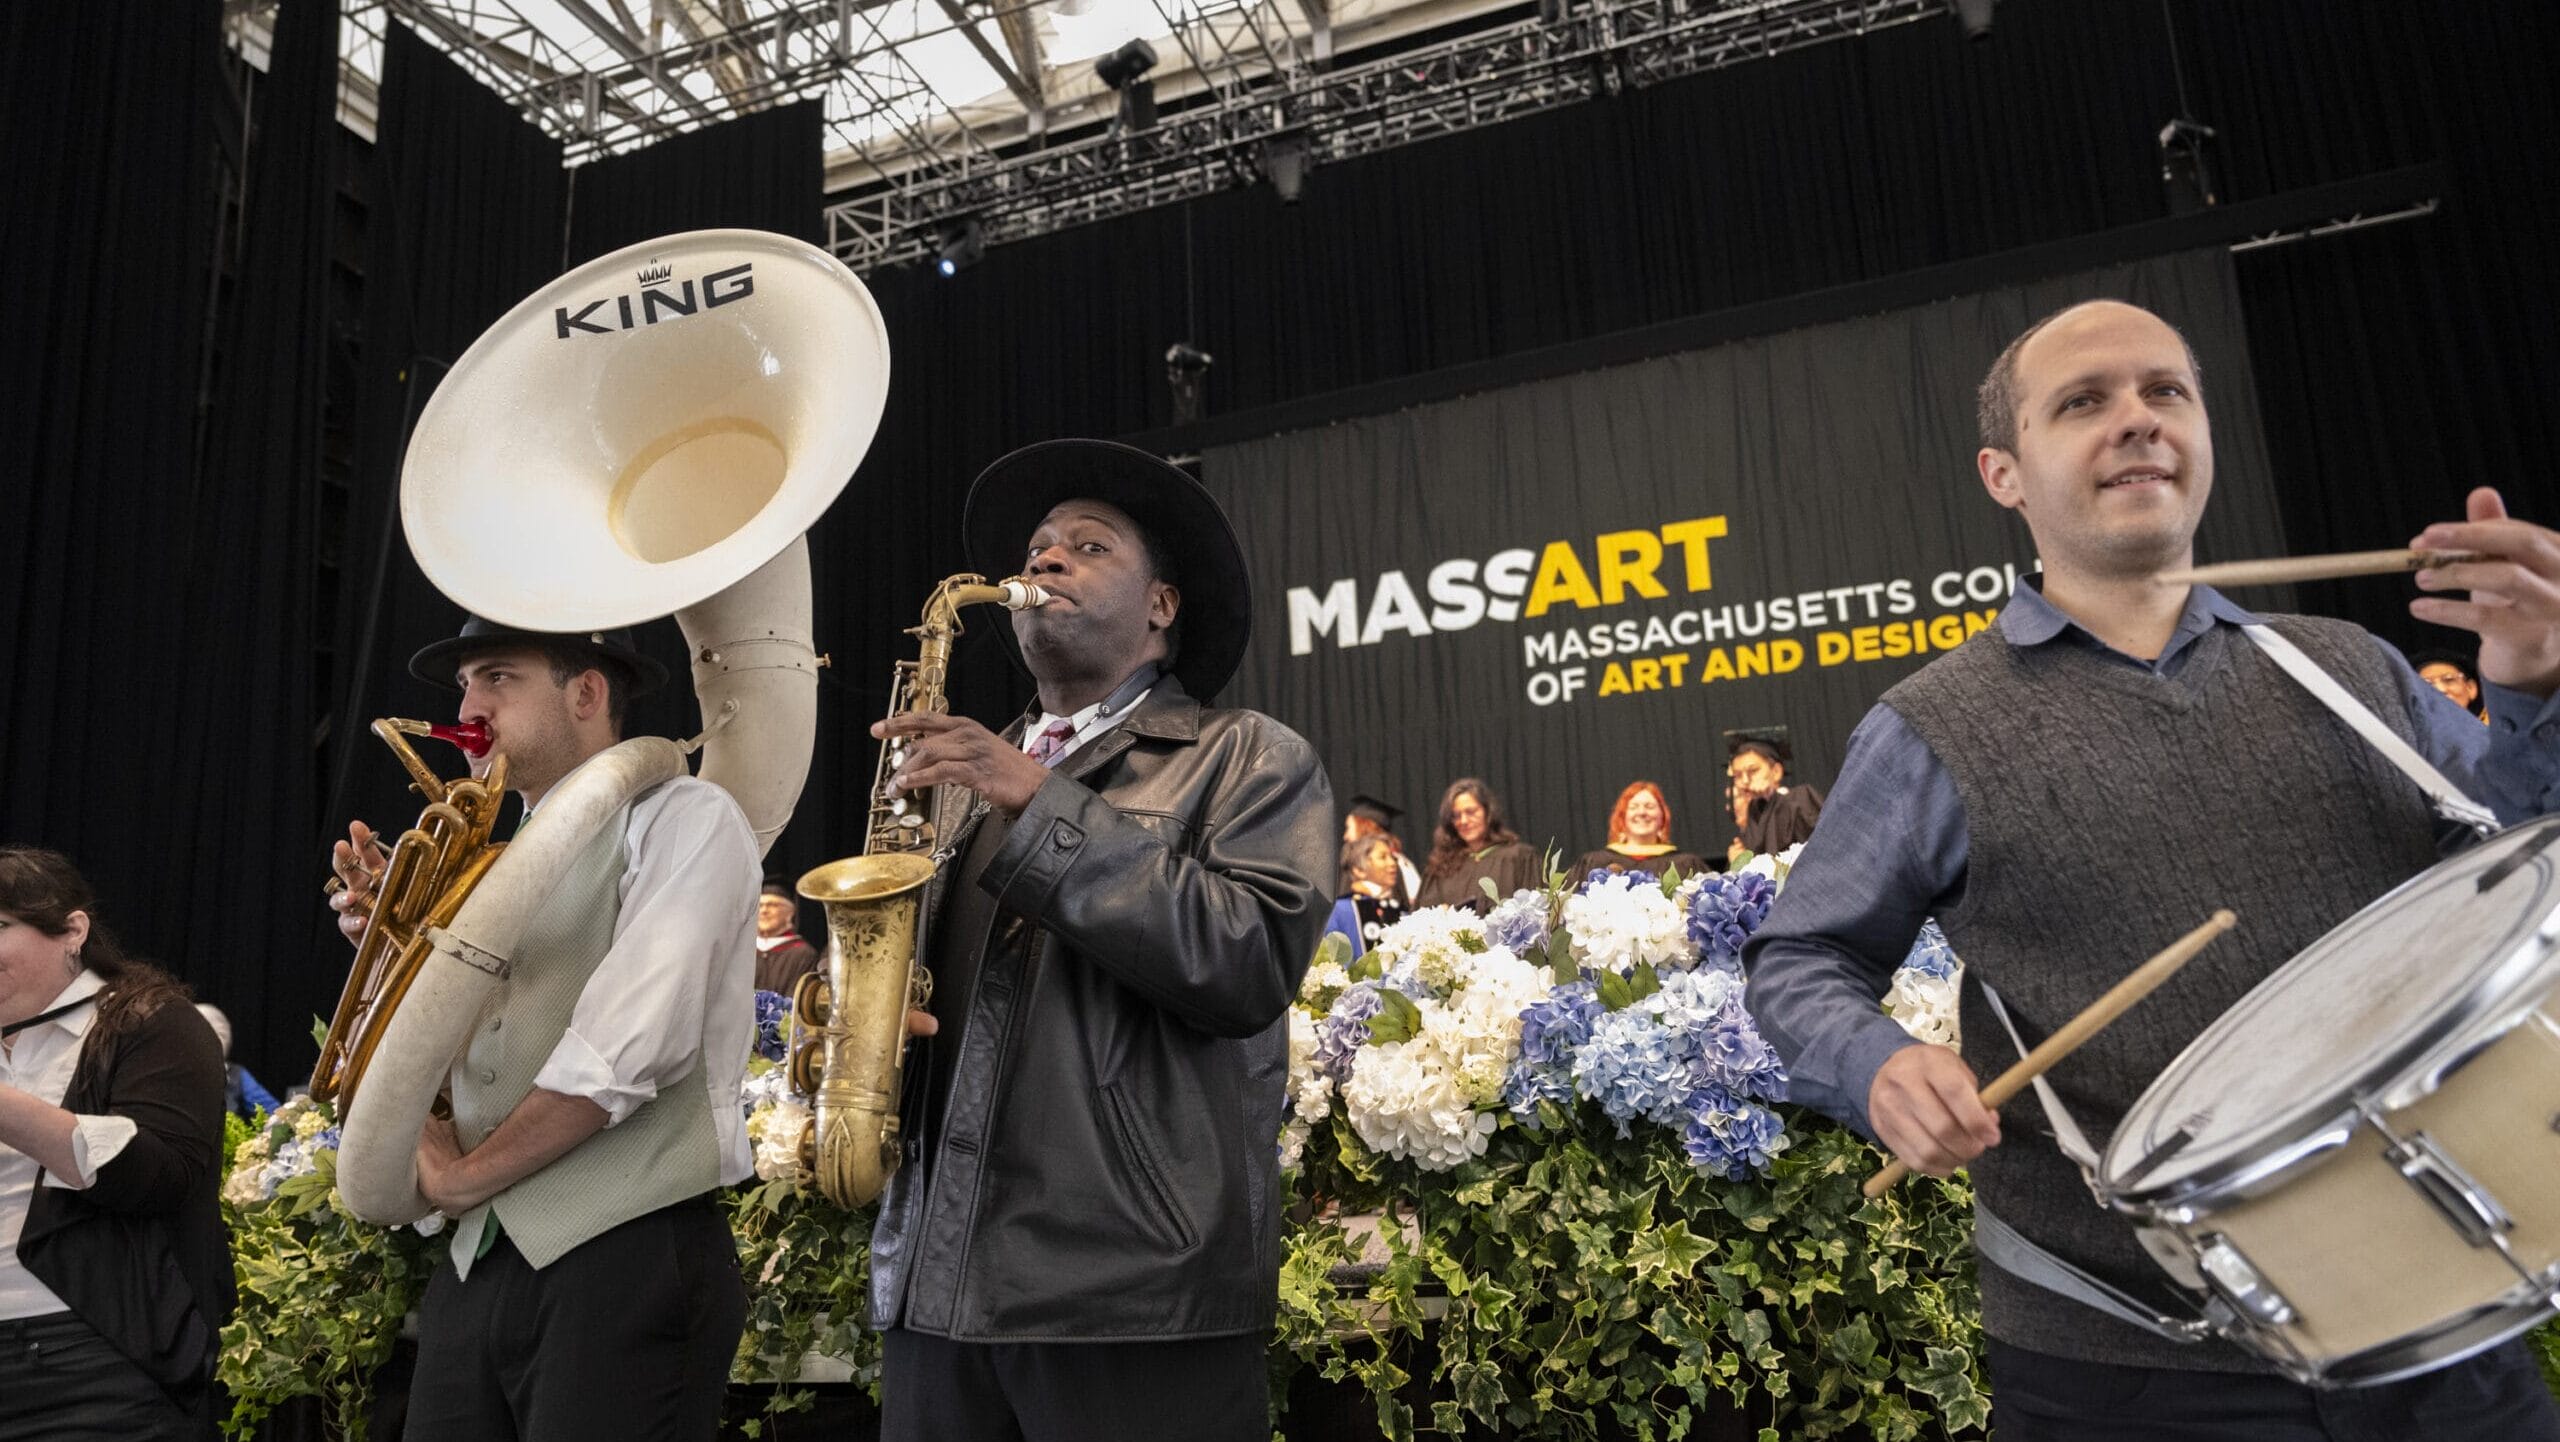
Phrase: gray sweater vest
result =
(2110, 810)
(662, 1153)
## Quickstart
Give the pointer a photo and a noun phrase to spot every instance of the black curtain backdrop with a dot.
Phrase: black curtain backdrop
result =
(1834, 462)
(106, 225)
(255, 548)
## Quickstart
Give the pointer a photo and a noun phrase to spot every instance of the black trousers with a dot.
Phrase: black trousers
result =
(2498, 1396)
(628, 1338)
(62, 1382)
(1213, 1390)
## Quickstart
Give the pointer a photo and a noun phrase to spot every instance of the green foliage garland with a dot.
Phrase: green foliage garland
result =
(1595, 1284)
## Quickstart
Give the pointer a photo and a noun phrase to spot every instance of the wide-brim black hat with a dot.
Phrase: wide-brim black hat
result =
(1010, 498)
(435, 663)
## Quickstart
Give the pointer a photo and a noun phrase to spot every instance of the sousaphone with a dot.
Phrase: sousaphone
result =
(650, 434)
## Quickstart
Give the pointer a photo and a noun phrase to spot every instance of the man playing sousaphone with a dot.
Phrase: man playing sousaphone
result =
(2113, 761)
(1084, 1243)
(591, 1288)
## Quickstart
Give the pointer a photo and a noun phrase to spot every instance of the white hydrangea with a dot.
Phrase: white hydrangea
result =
(1926, 1005)
(1774, 867)
(776, 1129)
(1624, 920)
(1404, 1099)
(1434, 945)
(248, 1172)
(1323, 980)
(1310, 1090)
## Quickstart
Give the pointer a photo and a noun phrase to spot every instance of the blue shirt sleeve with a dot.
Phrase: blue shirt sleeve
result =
(2511, 765)
(1888, 853)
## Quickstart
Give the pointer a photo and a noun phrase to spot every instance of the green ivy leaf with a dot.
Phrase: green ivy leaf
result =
(1491, 893)
(1615, 993)
(1670, 1251)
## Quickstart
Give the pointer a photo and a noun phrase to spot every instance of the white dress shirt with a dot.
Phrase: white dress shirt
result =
(1088, 723)
(39, 1061)
(676, 991)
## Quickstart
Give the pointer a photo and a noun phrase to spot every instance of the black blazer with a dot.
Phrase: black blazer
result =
(141, 1255)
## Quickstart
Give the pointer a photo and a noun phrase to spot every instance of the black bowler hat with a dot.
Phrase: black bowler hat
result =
(1010, 498)
(435, 663)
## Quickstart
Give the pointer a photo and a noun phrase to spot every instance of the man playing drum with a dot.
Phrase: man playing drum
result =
(2075, 788)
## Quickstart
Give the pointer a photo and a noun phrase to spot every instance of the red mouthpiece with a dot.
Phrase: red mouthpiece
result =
(471, 736)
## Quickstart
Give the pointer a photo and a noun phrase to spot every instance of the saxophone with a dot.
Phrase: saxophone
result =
(849, 1017)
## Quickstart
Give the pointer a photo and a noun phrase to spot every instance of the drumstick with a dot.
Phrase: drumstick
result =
(2315, 568)
(2145, 979)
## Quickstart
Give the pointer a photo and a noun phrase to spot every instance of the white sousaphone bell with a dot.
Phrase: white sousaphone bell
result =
(651, 433)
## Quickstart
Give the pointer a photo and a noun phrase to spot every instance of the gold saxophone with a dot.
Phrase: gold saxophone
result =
(849, 1017)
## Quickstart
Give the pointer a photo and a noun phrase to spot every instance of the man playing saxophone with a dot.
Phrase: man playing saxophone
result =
(591, 1288)
(1084, 1242)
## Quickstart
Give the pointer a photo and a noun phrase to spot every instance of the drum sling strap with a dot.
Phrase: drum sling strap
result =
(2001, 1244)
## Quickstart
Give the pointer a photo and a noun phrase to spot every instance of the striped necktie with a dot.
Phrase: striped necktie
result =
(1052, 741)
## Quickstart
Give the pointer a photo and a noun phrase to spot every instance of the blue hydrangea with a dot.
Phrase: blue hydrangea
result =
(1723, 912)
(1731, 1138)
(1633, 1068)
(773, 1025)
(1631, 877)
(1930, 954)
(1551, 1030)
(1733, 1057)
(1519, 925)
(1345, 1029)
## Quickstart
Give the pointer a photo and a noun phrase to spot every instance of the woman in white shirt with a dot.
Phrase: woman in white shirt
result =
(115, 1277)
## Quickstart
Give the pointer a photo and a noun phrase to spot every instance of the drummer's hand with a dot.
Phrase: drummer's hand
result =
(2515, 595)
(358, 862)
(1926, 1108)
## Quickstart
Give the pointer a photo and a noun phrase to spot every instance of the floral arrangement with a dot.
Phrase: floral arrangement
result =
(1610, 1224)
(321, 1293)
(1625, 993)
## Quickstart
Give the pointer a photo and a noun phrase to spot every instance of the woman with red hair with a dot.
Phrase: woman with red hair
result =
(1639, 838)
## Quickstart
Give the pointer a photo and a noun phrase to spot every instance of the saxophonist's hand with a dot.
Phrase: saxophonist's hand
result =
(956, 751)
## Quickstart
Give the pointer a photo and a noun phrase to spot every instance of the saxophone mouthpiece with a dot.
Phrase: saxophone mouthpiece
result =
(1022, 595)
(471, 736)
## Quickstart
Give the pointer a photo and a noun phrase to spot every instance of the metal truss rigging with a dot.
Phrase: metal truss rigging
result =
(1568, 54)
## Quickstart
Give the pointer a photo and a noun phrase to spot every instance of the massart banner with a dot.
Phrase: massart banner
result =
(1568, 585)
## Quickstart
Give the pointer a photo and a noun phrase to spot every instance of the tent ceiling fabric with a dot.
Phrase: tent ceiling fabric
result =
(992, 108)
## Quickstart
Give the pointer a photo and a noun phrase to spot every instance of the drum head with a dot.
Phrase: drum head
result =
(2360, 1010)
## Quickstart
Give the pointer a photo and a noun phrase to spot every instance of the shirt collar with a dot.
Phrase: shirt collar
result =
(87, 984)
(2031, 620)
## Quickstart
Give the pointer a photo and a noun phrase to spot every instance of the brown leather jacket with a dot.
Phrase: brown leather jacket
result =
(1107, 1159)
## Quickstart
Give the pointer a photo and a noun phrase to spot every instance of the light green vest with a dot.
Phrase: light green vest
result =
(663, 1153)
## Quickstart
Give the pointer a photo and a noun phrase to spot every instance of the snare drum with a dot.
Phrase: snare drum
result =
(2357, 1168)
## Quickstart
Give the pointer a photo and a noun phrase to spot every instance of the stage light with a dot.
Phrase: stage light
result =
(1125, 70)
(2185, 172)
(1125, 64)
(958, 244)
(1974, 16)
(1284, 163)
(1186, 369)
